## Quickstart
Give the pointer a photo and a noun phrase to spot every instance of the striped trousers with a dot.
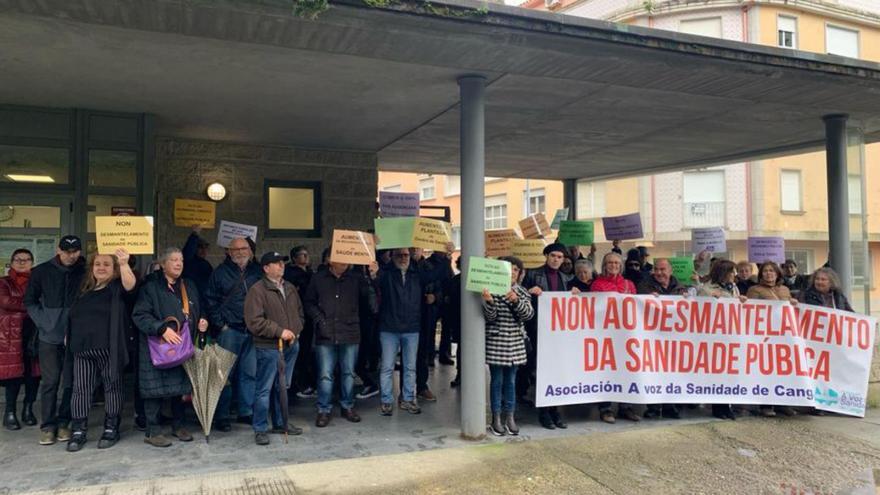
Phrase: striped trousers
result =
(89, 369)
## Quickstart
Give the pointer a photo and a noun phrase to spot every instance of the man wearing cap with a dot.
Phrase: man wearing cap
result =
(547, 278)
(51, 292)
(273, 312)
(227, 288)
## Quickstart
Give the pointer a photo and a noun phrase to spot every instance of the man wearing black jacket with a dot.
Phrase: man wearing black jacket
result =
(51, 292)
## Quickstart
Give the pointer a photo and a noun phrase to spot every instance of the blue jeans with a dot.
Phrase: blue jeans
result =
(502, 388)
(243, 374)
(328, 355)
(408, 343)
(267, 384)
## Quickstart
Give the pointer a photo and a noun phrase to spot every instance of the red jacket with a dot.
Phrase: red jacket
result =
(613, 283)
(12, 320)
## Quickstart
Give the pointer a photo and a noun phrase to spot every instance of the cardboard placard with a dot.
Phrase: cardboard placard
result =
(529, 251)
(231, 230)
(710, 239)
(189, 212)
(682, 269)
(561, 214)
(763, 249)
(576, 233)
(534, 226)
(405, 232)
(485, 273)
(398, 204)
(352, 247)
(135, 234)
(499, 242)
(623, 227)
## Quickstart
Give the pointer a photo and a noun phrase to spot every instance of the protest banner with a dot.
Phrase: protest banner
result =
(561, 214)
(231, 230)
(135, 234)
(499, 242)
(574, 233)
(763, 249)
(534, 226)
(189, 212)
(623, 227)
(484, 273)
(598, 347)
(426, 233)
(352, 247)
(529, 251)
(398, 204)
(682, 269)
(708, 239)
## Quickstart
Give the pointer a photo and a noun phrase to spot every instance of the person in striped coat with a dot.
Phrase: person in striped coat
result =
(505, 346)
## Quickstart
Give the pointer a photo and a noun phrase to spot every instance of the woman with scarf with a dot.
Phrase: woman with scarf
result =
(18, 362)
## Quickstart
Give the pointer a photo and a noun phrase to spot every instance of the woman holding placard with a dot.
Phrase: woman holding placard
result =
(505, 346)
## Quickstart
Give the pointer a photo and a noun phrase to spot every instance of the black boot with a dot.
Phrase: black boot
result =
(497, 426)
(545, 419)
(10, 421)
(27, 414)
(78, 436)
(111, 433)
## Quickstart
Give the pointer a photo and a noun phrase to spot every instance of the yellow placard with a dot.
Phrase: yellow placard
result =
(529, 251)
(534, 226)
(189, 212)
(431, 234)
(353, 247)
(499, 242)
(135, 234)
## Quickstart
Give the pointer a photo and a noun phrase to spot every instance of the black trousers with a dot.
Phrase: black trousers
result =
(152, 408)
(369, 351)
(52, 365)
(13, 387)
(91, 368)
(425, 352)
(305, 370)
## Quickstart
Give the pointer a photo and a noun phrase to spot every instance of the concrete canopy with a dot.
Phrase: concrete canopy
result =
(567, 97)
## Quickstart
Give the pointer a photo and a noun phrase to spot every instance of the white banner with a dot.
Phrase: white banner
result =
(597, 347)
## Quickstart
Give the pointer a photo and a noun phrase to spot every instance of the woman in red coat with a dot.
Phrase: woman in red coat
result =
(17, 367)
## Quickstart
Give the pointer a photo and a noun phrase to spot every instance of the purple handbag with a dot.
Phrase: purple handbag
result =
(166, 355)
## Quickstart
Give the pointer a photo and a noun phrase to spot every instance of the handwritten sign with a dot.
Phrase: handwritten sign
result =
(529, 251)
(231, 230)
(561, 214)
(574, 233)
(708, 239)
(189, 212)
(484, 273)
(135, 234)
(763, 249)
(534, 226)
(352, 247)
(623, 227)
(499, 242)
(426, 233)
(398, 204)
(682, 269)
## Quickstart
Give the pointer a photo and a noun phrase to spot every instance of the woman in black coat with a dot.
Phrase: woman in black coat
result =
(162, 296)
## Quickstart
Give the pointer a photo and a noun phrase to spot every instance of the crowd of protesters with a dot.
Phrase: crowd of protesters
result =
(69, 325)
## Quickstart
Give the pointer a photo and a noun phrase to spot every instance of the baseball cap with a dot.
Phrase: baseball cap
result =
(70, 243)
(272, 257)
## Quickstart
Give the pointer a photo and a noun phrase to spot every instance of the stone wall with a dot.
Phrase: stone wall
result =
(185, 168)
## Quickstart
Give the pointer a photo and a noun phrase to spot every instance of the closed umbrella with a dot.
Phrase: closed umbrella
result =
(282, 389)
(208, 372)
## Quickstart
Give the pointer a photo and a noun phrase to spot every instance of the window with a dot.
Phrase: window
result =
(854, 184)
(790, 190)
(293, 209)
(703, 199)
(456, 236)
(710, 26)
(803, 258)
(786, 28)
(841, 41)
(860, 263)
(453, 185)
(29, 164)
(394, 188)
(591, 199)
(426, 188)
(112, 168)
(537, 203)
(496, 212)
(105, 206)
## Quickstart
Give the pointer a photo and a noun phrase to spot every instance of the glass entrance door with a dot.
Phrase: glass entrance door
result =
(32, 222)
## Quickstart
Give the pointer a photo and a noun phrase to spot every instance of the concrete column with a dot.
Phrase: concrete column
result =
(840, 255)
(473, 341)
(569, 197)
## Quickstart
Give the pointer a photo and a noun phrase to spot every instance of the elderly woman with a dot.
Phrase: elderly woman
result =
(722, 284)
(97, 342)
(505, 347)
(611, 280)
(165, 295)
(18, 364)
(583, 276)
(823, 289)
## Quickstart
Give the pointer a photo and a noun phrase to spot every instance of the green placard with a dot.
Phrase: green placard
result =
(682, 269)
(394, 232)
(485, 273)
(574, 233)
